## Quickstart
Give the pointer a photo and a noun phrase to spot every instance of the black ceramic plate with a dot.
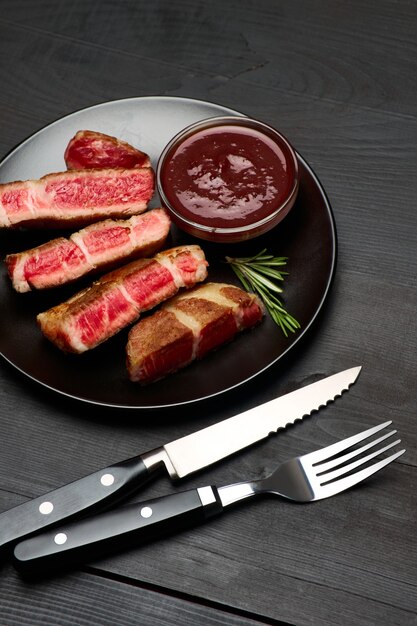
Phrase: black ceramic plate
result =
(307, 236)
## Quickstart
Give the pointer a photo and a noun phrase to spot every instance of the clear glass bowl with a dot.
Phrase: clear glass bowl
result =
(250, 225)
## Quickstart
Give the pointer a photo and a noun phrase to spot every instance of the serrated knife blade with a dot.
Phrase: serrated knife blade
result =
(180, 458)
(191, 453)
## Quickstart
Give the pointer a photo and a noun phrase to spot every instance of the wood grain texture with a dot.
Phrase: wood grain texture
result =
(85, 599)
(347, 53)
(339, 80)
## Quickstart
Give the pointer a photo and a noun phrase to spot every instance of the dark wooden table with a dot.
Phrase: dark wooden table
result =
(339, 79)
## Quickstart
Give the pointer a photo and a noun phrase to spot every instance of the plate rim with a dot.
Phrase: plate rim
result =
(301, 334)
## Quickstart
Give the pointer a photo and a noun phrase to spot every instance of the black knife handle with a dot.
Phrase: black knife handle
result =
(93, 537)
(99, 489)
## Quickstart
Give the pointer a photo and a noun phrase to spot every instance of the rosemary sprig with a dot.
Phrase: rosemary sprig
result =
(259, 274)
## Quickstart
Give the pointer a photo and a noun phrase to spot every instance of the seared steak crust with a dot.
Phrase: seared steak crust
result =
(187, 327)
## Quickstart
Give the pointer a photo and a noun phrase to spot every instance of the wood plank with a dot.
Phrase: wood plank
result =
(338, 51)
(85, 599)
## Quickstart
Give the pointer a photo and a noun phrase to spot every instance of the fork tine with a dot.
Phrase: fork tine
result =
(324, 467)
(345, 483)
(340, 446)
(328, 476)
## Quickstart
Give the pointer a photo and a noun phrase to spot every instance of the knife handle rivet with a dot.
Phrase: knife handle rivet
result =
(46, 507)
(146, 511)
(60, 538)
(107, 480)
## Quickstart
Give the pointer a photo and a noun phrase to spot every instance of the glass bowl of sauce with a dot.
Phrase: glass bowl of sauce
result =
(228, 179)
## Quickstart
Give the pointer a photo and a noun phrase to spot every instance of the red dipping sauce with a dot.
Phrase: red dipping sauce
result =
(228, 179)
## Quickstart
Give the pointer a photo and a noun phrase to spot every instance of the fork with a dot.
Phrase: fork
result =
(306, 478)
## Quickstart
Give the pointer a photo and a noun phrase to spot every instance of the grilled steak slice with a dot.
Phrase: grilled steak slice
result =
(96, 247)
(90, 150)
(118, 298)
(76, 197)
(187, 327)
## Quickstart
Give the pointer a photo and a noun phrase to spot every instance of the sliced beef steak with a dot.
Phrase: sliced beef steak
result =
(93, 248)
(118, 298)
(90, 150)
(187, 327)
(76, 197)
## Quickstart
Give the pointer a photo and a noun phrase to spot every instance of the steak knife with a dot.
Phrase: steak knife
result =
(179, 458)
